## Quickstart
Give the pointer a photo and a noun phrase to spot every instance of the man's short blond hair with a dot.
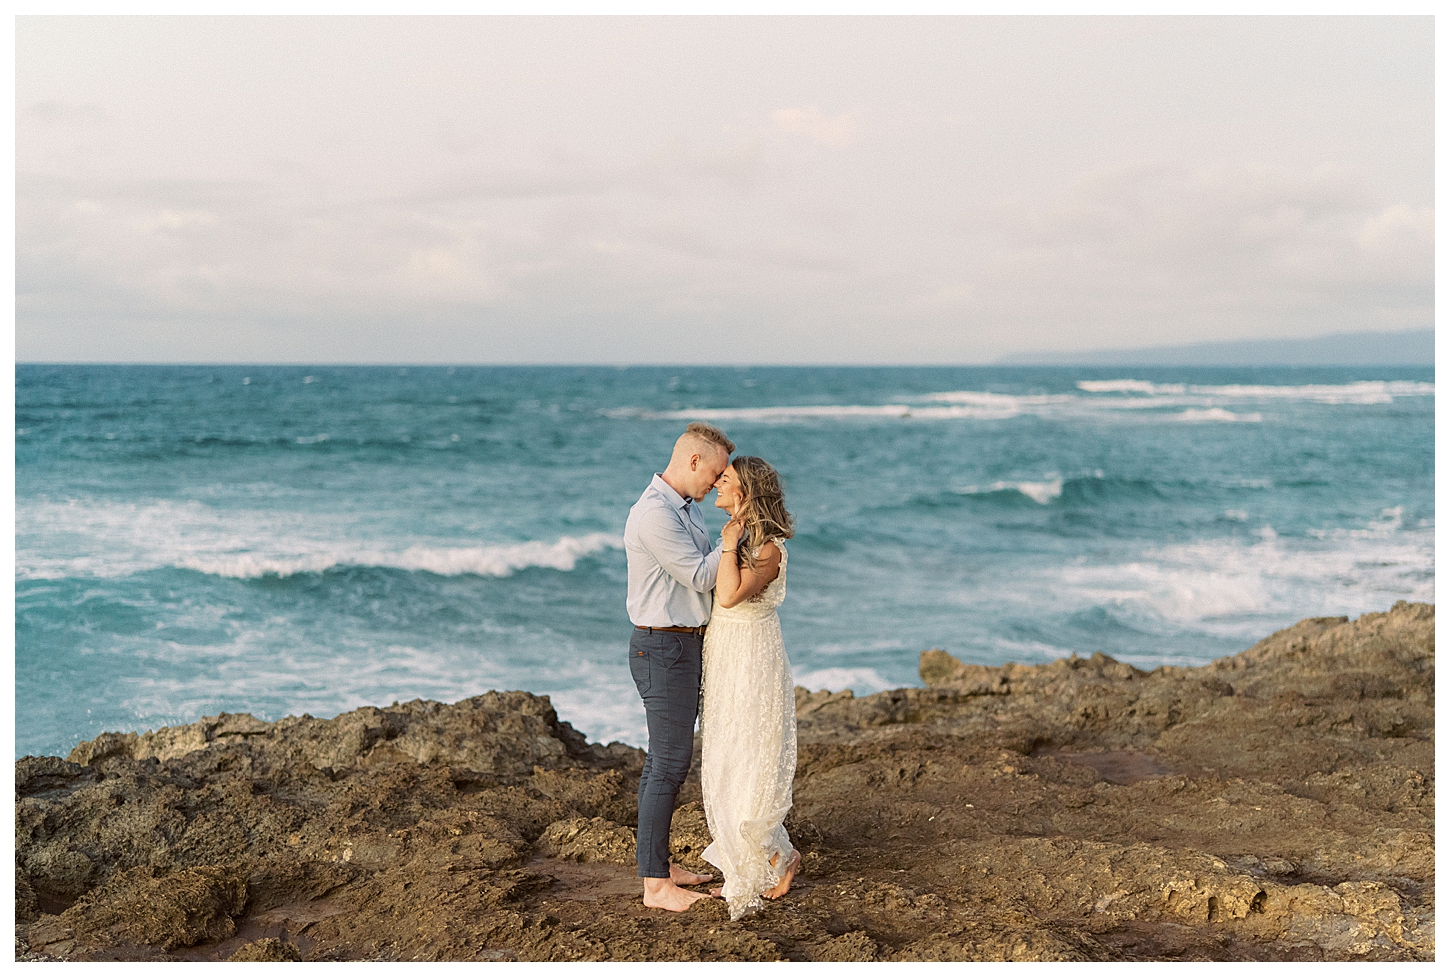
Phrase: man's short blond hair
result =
(710, 434)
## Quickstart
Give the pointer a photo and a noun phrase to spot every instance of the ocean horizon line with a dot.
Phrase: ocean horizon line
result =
(400, 364)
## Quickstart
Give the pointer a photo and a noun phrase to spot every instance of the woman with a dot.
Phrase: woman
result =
(747, 718)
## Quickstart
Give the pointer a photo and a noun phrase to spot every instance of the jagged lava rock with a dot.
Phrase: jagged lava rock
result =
(1277, 804)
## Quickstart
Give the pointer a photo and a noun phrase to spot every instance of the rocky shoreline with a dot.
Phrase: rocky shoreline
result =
(1277, 804)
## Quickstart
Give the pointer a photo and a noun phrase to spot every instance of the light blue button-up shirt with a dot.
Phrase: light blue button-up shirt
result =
(671, 564)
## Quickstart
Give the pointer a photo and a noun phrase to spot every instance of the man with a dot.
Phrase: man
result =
(671, 575)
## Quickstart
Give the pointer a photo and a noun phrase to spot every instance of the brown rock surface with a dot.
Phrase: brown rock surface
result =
(1277, 804)
(588, 840)
(267, 950)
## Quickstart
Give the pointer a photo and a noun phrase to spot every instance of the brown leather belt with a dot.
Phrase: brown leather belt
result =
(700, 630)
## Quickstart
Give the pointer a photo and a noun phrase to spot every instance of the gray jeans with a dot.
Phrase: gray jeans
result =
(666, 670)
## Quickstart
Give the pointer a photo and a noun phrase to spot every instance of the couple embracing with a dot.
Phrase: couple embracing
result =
(705, 621)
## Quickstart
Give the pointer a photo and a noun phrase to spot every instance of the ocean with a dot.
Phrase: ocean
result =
(285, 540)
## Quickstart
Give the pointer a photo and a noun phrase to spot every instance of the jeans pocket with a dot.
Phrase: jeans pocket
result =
(672, 651)
(639, 668)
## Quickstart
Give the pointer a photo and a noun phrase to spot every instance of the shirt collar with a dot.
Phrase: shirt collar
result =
(671, 496)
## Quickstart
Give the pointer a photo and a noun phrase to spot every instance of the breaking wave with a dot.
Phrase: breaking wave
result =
(1218, 414)
(117, 540)
(1359, 392)
(481, 561)
(1097, 400)
(1039, 492)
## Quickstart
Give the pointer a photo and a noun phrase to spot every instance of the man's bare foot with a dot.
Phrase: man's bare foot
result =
(680, 876)
(664, 894)
(783, 886)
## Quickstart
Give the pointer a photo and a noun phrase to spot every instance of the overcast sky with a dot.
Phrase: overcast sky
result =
(691, 190)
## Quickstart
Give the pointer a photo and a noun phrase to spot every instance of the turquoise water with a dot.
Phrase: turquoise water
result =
(284, 540)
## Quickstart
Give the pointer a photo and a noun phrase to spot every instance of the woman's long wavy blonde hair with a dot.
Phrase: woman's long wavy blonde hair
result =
(763, 509)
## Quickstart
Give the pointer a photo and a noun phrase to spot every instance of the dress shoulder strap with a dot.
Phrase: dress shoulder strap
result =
(779, 544)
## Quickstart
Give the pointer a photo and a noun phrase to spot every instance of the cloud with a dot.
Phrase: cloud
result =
(671, 167)
(779, 252)
(166, 219)
(1166, 237)
(1399, 242)
(481, 236)
(1211, 250)
(901, 190)
(835, 130)
(64, 113)
(948, 298)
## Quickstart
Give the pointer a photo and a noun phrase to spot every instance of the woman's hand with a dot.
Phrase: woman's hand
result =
(730, 535)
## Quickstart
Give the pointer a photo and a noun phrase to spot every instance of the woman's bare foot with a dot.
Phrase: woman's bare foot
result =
(717, 890)
(664, 894)
(681, 876)
(783, 886)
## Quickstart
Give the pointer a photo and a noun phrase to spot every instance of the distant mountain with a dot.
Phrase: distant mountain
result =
(1413, 348)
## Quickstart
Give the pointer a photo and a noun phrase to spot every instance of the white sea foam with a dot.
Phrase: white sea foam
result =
(1098, 400)
(1024, 652)
(869, 646)
(1362, 392)
(264, 663)
(90, 538)
(862, 681)
(1217, 414)
(1014, 402)
(447, 561)
(1358, 392)
(1389, 521)
(1039, 492)
(1129, 387)
(838, 412)
(768, 414)
(1232, 587)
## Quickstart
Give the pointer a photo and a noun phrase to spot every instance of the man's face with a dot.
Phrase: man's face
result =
(707, 470)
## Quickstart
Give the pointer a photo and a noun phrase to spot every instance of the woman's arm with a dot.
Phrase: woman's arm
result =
(736, 583)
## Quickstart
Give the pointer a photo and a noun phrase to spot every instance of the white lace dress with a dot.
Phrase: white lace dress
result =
(747, 725)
